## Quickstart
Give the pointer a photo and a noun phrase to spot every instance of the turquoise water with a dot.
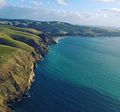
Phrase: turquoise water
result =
(77, 75)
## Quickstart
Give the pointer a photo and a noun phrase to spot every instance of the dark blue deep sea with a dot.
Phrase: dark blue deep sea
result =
(77, 75)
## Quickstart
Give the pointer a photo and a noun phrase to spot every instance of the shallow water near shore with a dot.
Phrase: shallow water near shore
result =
(77, 75)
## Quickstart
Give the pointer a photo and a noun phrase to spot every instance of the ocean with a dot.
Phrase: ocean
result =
(79, 74)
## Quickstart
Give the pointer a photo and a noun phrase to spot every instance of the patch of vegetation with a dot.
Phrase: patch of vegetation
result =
(5, 53)
(22, 38)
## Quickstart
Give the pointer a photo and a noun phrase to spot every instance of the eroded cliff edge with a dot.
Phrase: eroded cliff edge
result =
(19, 49)
(15, 77)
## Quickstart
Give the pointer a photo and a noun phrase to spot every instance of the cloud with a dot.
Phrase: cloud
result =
(108, 0)
(116, 1)
(36, 4)
(2, 3)
(28, 4)
(115, 10)
(105, 17)
(62, 2)
(111, 12)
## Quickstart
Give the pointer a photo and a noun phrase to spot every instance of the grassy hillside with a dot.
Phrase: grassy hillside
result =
(56, 28)
(19, 48)
(5, 53)
(23, 38)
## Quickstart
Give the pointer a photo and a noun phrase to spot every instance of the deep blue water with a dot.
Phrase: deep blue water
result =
(77, 75)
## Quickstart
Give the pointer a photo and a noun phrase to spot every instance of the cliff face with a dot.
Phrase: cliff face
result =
(16, 65)
(15, 76)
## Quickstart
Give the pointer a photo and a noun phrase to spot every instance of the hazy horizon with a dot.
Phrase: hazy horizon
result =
(82, 12)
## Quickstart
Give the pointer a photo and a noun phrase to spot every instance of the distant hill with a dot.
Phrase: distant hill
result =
(56, 28)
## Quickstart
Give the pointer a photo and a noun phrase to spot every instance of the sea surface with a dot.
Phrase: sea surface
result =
(79, 74)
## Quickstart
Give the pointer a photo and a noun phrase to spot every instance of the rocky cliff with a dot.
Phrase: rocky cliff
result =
(19, 49)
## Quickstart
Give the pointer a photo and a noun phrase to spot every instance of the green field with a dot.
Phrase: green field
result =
(14, 38)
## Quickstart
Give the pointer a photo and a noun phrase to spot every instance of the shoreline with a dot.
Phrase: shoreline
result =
(57, 39)
(12, 99)
(10, 102)
(25, 94)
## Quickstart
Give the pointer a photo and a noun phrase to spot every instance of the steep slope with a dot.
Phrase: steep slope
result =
(19, 49)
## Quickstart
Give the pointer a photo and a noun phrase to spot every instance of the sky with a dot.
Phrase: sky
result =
(81, 12)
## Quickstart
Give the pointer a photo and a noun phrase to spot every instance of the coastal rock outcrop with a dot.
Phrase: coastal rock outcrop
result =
(17, 58)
